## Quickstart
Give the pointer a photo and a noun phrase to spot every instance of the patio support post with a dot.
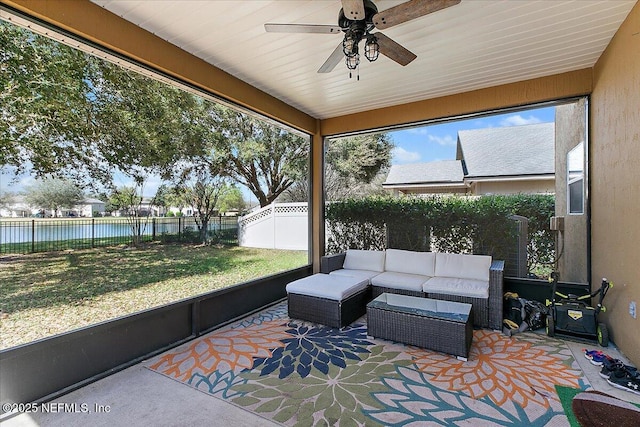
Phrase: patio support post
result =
(195, 318)
(317, 199)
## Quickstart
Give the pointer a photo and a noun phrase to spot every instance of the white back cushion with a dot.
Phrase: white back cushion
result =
(410, 262)
(356, 259)
(471, 288)
(463, 266)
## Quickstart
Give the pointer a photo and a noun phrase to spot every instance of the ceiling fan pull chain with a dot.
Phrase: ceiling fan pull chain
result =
(357, 74)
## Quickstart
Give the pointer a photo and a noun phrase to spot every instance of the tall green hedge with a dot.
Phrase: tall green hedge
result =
(479, 225)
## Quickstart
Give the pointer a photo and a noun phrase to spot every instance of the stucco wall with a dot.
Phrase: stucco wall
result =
(615, 180)
(432, 191)
(570, 131)
(536, 186)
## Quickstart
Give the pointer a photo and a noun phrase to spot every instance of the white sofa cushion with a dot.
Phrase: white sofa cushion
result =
(356, 259)
(327, 286)
(457, 286)
(360, 274)
(410, 262)
(391, 279)
(463, 266)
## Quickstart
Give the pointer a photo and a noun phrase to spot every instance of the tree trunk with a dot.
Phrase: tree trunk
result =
(204, 225)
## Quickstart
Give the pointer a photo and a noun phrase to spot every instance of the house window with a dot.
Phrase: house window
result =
(575, 180)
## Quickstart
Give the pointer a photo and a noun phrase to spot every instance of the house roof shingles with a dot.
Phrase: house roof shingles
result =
(509, 151)
(487, 153)
(445, 171)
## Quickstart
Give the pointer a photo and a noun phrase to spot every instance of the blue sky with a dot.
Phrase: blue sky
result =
(416, 145)
(438, 142)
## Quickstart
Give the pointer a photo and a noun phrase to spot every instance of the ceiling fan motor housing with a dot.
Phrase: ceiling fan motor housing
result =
(359, 26)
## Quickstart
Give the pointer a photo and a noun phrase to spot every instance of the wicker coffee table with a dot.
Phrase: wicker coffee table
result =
(437, 325)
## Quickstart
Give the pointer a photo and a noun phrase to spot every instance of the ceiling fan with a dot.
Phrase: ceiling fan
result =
(357, 19)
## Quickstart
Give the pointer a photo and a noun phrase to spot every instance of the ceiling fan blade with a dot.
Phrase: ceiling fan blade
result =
(334, 59)
(393, 50)
(302, 28)
(353, 9)
(409, 10)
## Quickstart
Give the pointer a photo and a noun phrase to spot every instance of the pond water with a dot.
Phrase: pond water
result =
(24, 231)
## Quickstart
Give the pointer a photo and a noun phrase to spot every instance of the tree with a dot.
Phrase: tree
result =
(261, 156)
(360, 157)
(203, 195)
(70, 114)
(231, 199)
(202, 192)
(128, 200)
(163, 197)
(53, 194)
(354, 166)
(146, 126)
(337, 187)
(175, 198)
(43, 102)
(7, 199)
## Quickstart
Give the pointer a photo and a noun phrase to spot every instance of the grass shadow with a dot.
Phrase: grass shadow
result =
(67, 278)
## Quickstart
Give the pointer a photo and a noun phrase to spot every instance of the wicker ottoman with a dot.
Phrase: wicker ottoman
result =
(444, 326)
(335, 301)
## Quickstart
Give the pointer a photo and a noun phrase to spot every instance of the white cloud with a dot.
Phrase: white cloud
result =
(443, 140)
(518, 120)
(400, 155)
(418, 131)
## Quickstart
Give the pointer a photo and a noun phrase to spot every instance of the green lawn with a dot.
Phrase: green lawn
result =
(45, 294)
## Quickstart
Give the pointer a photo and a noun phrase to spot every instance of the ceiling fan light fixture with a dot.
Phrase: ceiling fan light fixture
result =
(371, 48)
(352, 61)
(349, 45)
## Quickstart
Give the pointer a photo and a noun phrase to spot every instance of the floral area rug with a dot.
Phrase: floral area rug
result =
(303, 374)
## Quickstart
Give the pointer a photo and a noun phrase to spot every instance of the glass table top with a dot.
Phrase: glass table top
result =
(448, 310)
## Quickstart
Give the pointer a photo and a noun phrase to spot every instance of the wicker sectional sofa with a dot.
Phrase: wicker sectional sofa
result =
(473, 279)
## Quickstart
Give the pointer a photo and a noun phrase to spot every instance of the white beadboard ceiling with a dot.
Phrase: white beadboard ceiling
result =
(473, 45)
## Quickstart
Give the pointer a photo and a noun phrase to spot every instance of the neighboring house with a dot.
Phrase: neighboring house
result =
(148, 208)
(17, 209)
(21, 209)
(446, 176)
(183, 211)
(507, 160)
(90, 207)
(145, 208)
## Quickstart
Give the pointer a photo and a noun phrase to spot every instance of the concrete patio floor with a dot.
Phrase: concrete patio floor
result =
(137, 396)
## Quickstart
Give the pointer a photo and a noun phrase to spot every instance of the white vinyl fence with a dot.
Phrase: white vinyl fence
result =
(277, 226)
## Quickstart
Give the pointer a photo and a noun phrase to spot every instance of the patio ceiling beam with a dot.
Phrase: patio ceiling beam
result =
(96, 24)
(526, 92)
